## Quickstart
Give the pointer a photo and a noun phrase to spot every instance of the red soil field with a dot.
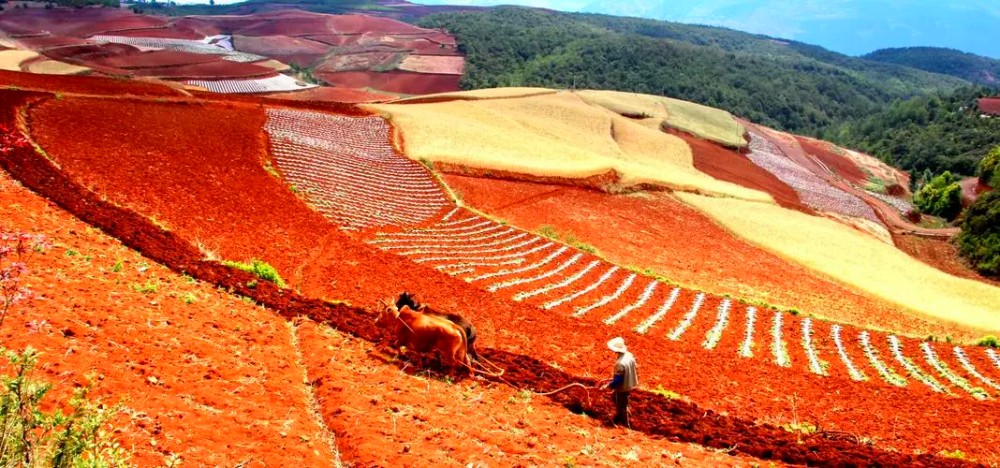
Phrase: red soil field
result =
(331, 94)
(42, 43)
(361, 24)
(170, 32)
(85, 53)
(655, 231)
(837, 163)
(730, 166)
(149, 174)
(154, 58)
(333, 39)
(393, 82)
(940, 254)
(85, 85)
(83, 22)
(391, 419)
(303, 51)
(217, 69)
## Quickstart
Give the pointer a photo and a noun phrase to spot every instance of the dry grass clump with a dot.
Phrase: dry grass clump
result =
(55, 67)
(552, 135)
(11, 60)
(705, 122)
(858, 260)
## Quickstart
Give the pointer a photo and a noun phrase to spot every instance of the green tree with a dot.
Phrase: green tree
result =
(942, 196)
(988, 169)
(979, 241)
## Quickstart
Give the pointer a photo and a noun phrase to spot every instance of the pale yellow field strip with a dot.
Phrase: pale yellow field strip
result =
(273, 64)
(54, 67)
(11, 60)
(858, 260)
(491, 93)
(552, 135)
(702, 121)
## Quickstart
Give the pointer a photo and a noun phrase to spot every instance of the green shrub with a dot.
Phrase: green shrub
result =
(33, 438)
(942, 196)
(260, 269)
(988, 173)
(989, 341)
(979, 241)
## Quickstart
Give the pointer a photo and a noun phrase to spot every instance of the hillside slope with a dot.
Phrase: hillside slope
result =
(852, 27)
(969, 67)
(788, 86)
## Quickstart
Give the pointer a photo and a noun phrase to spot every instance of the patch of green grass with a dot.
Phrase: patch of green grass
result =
(800, 428)
(659, 390)
(953, 454)
(189, 298)
(548, 231)
(989, 341)
(260, 269)
(117, 267)
(148, 288)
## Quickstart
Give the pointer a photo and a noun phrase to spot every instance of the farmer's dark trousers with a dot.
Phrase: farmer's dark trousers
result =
(621, 408)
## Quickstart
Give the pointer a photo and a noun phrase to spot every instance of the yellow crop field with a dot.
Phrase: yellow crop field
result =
(551, 135)
(703, 121)
(858, 260)
(11, 60)
(491, 93)
(54, 67)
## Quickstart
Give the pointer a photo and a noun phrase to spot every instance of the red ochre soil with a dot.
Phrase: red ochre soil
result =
(154, 58)
(385, 417)
(76, 22)
(85, 84)
(217, 381)
(839, 164)
(211, 381)
(940, 254)
(216, 69)
(340, 267)
(730, 166)
(655, 231)
(332, 94)
(393, 82)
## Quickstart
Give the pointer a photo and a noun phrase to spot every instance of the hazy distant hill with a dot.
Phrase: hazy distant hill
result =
(853, 27)
(971, 67)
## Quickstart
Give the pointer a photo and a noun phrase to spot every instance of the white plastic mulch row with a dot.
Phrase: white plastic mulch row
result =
(212, 45)
(347, 168)
(277, 83)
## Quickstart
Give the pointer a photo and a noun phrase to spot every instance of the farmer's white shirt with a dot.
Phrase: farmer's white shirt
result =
(626, 367)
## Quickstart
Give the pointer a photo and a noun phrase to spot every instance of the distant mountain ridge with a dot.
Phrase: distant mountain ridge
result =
(853, 27)
(971, 67)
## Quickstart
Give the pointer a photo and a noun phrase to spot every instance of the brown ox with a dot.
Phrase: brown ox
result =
(426, 333)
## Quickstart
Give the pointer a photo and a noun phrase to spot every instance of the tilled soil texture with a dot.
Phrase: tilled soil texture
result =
(85, 85)
(391, 418)
(331, 94)
(839, 164)
(393, 82)
(730, 166)
(652, 230)
(200, 373)
(904, 419)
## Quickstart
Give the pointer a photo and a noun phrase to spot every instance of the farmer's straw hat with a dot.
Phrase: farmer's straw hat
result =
(618, 345)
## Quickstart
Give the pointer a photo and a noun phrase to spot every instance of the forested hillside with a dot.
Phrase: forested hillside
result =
(786, 85)
(936, 133)
(971, 67)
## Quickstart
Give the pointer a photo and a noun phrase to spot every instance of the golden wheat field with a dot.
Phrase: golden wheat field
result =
(858, 260)
(702, 121)
(54, 67)
(11, 60)
(490, 93)
(552, 135)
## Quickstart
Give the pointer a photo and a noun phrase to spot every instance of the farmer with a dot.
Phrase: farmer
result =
(625, 379)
